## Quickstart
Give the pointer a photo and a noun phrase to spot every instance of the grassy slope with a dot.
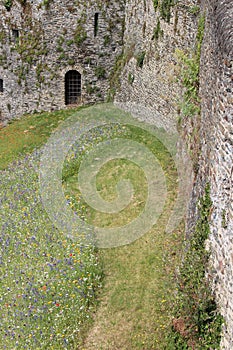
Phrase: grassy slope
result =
(136, 302)
(44, 275)
(135, 308)
(22, 135)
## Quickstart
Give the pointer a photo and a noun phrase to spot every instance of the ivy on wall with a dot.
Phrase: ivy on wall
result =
(80, 34)
(164, 7)
(190, 66)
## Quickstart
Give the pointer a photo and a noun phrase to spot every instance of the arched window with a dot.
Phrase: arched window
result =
(72, 87)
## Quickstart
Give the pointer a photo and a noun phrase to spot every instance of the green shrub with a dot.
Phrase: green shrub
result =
(92, 89)
(80, 34)
(114, 78)
(194, 10)
(155, 3)
(130, 78)
(197, 323)
(165, 9)
(190, 62)
(46, 3)
(107, 40)
(69, 42)
(140, 58)
(8, 4)
(100, 72)
(157, 31)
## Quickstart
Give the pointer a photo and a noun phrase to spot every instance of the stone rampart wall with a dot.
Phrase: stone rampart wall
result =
(215, 164)
(52, 40)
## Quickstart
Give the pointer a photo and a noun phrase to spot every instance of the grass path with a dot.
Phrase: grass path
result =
(135, 305)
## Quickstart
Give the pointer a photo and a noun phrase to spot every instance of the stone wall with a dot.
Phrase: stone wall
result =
(155, 84)
(54, 39)
(215, 164)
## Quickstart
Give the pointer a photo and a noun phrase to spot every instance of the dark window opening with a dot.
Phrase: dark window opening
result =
(15, 34)
(72, 87)
(96, 24)
(1, 85)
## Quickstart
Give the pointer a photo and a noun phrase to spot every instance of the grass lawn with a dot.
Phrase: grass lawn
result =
(23, 135)
(136, 303)
(49, 283)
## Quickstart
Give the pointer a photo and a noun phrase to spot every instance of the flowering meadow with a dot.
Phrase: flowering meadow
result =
(48, 282)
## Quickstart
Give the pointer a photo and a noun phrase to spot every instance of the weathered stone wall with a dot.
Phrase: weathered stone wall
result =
(215, 165)
(54, 39)
(33, 74)
(155, 84)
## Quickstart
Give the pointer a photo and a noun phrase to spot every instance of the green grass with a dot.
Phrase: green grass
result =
(135, 305)
(23, 135)
(49, 283)
(113, 171)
